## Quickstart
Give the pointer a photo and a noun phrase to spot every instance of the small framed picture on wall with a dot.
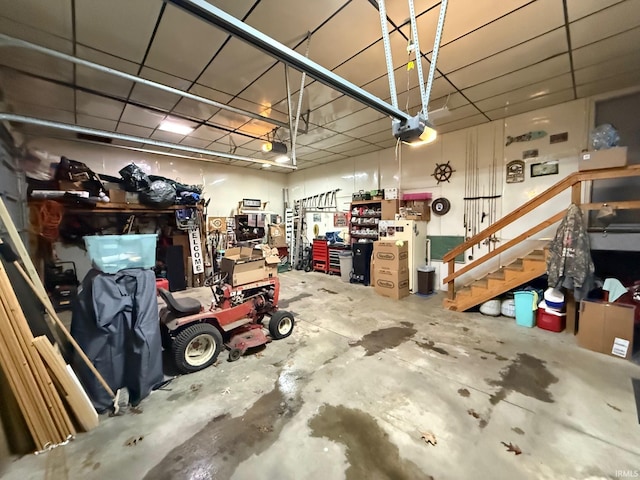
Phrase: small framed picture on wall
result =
(544, 168)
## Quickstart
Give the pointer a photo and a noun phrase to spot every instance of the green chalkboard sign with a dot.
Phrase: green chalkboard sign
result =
(441, 244)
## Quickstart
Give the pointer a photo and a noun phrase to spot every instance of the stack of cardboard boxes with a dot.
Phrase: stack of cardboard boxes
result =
(390, 266)
(247, 265)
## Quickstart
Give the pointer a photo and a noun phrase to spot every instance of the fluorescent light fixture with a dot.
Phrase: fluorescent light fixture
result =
(282, 159)
(266, 165)
(415, 131)
(175, 127)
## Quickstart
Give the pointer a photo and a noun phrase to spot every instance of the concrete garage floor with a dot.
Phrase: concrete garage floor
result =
(351, 392)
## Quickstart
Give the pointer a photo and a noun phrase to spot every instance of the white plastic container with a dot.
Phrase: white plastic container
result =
(111, 253)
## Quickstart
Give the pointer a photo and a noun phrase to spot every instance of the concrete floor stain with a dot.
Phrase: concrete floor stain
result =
(518, 430)
(497, 356)
(463, 392)
(378, 340)
(327, 291)
(526, 375)
(369, 451)
(614, 407)
(217, 449)
(285, 302)
(430, 345)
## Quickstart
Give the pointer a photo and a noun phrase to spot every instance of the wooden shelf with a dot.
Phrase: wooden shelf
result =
(364, 202)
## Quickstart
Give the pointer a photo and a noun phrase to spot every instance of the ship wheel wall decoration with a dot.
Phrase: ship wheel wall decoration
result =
(442, 172)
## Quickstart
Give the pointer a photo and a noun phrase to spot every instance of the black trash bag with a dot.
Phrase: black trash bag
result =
(160, 194)
(77, 172)
(135, 180)
(180, 187)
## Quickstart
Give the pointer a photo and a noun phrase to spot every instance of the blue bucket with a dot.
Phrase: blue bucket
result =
(525, 315)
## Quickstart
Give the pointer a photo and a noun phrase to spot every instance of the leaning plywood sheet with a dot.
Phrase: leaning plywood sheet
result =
(67, 384)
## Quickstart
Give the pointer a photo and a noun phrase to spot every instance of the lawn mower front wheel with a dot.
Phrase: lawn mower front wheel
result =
(281, 324)
(196, 347)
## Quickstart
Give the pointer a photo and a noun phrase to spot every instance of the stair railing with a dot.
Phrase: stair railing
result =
(573, 181)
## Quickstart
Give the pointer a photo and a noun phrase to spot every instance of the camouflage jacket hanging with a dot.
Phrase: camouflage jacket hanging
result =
(569, 262)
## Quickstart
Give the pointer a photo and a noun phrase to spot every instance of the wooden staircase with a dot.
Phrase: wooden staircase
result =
(533, 264)
(518, 272)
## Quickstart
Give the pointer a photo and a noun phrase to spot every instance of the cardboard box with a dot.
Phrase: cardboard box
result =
(609, 158)
(606, 328)
(243, 265)
(389, 209)
(391, 283)
(386, 254)
(277, 236)
(271, 266)
(417, 210)
(117, 196)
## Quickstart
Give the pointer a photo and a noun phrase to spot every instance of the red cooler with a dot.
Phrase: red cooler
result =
(551, 320)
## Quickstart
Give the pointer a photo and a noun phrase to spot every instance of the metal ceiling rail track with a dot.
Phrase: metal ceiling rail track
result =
(6, 40)
(10, 117)
(218, 18)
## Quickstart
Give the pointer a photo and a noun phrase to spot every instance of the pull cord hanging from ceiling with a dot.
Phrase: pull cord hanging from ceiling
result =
(418, 129)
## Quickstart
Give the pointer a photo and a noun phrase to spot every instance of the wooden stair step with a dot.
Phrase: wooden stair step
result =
(497, 275)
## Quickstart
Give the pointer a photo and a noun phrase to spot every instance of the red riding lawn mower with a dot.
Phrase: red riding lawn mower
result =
(234, 319)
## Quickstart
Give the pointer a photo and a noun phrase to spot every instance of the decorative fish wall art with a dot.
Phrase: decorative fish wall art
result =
(526, 137)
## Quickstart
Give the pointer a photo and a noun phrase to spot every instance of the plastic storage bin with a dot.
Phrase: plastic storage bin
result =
(346, 265)
(111, 253)
(525, 314)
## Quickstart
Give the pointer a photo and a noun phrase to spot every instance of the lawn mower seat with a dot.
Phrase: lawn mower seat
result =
(182, 307)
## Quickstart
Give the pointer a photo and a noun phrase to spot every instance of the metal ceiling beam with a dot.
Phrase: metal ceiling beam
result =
(6, 40)
(10, 117)
(239, 29)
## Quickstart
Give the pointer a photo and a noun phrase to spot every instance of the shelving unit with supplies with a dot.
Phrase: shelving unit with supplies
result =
(365, 217)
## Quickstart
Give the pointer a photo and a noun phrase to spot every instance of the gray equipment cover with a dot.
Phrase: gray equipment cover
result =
(115, 321)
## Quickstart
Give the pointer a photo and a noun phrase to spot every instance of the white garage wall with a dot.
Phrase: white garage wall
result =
(412, 171)
(225, 185)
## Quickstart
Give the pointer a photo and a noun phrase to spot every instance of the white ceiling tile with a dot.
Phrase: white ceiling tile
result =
(236, 67)
(192, 141)
(142, 116)
(532, 52)
(391, 142)
(51, 16)
(613, 20)
(315, 135)
(96, 122)
(201, 110)
(263, 109)
(135, 130)
(361, 117)
(581, 8)
(381, 136)
(256, 128)
(457, 114)
(205, 132)
(43, 112)
(97, 106)
(534, 104)
(526, 23)
(370, 64)
(610, 84)
(520, 78)
(355, 28)
(530, 92)
(615, 67)
(361, 150)
(289, 22)
(615, 46)
(25, 89)
(183, 44)
(120, 27)
(463, 123)
(332, 141)
(461, 18)
(167, 136)
(154, 96)
(365, 129)
(270, 88)
(349, 146)
(103, 82)
(398, 12)
(21, 31)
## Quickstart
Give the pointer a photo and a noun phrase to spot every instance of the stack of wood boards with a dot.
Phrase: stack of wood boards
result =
(29, 365)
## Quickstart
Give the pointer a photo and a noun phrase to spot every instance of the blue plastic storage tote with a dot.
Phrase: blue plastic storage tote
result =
(525, 313)
(111, 253)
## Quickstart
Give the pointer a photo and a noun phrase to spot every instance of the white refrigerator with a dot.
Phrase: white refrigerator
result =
(415, 233)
